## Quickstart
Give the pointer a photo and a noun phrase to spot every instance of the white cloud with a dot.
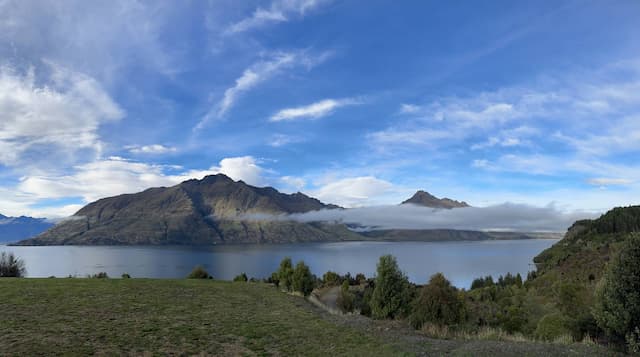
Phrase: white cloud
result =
(279, 11)
(279, 140)
(243, 168)
(608, 181)
(502, 217)
(409, 108)
(254, 75)
(57, 119)
(151, 149)
(353, 191)
(313, 111)
(292, 183)
(115, 176)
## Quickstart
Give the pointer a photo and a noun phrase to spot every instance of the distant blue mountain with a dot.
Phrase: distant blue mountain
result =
(13, 229)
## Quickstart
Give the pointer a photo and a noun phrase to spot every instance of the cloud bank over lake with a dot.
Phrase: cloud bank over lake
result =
(502, 217)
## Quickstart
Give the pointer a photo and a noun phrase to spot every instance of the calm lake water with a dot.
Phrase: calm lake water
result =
(461, 262)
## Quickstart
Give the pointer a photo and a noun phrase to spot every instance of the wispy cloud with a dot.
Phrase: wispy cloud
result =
(279, 140)
(56, 113)
(151, 149)
(258, 73)
(279, 11)
(313, 111)
(609, 181)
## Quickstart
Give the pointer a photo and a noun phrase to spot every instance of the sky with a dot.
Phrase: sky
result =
(357, 103)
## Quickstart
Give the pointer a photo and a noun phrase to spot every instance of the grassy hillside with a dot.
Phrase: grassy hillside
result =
(189, 317)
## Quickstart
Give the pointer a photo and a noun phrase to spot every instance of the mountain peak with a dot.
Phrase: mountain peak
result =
(424, 198)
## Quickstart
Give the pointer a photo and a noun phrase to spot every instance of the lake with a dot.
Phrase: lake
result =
(461, 262)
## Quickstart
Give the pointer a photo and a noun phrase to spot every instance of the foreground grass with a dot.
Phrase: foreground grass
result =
(138, 316)
(204, 317)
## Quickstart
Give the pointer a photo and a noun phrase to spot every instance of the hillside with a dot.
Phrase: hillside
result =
(13, 229)
(203, 317)
(195, 212)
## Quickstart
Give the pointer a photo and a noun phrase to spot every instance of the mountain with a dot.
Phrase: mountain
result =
(426, 199)
(214, 210)
(13, 229)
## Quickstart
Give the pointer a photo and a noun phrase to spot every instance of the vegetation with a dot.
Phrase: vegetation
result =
(438, 303)
(284, 275)
(303, 281)
(125, 276)
(199, 273)
(617, 308)
(392, 292)
(346, 299)
(241, 278)
(11, 267)
(100, 275)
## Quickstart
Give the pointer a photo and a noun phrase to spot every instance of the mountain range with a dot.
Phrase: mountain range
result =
(218, 210)
(13, 229)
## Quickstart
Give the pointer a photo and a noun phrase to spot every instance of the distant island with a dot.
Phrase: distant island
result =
(217, 210)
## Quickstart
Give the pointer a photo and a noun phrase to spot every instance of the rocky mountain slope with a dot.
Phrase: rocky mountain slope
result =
(195, 212)
(13, 229)
(423, 198)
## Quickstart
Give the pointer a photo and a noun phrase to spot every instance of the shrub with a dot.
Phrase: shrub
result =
(11, 267)
(552, 326)
(199, 273)
(346, 299)
(438, 302)
(303, 280)
(100, 275)
(331, 278)
(241, 278)
(360, 278)
(617, 308)
(126, 276)
(391, 294)
(285, 273)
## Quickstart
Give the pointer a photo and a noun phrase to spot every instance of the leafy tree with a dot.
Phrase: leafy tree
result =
(241, 278)
(552, 326)
(302, 280)
(10, 266)
(125, 276)
(617, 308)
(391, 294)
(199, 273)
(285, 273)
(438, 302)
(361, 278)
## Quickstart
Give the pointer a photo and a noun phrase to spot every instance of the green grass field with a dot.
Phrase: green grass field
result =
(203, 317)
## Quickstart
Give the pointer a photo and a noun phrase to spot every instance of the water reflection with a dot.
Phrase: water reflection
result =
(461, 262)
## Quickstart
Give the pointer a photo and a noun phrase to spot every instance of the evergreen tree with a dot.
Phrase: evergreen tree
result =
(391, 294)
(285, 273)
(438, 302)
(10, 266)
(302, 279)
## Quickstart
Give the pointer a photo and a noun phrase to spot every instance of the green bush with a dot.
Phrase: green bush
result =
(11, 267)
(346, 299)
(439, 303)
(552, 326)
(241, 278)
(617, 308)
(285, 274)
(331, 278)
(391, 295)
(100, 275)
(126, 276)
(303, 280)
(199, 273)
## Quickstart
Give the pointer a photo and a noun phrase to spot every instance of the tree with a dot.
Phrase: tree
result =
(331, 278)
(438, 303)
(303, 280)
(285, 273)
(617, 309)
(10, 266)
(391, 294)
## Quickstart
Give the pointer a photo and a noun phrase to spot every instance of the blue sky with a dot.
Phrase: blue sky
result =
(355, 102)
